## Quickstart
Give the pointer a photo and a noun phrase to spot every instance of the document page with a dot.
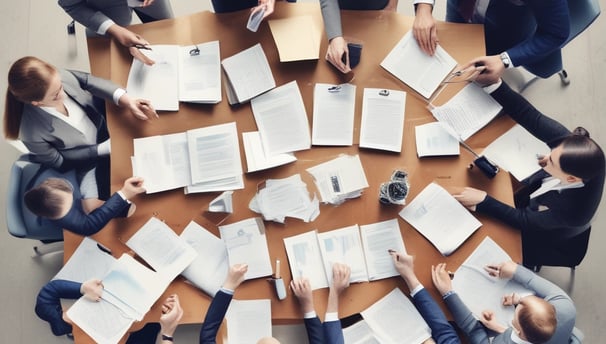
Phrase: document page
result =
(433, 139)
(333, 117)
(200, 73)
(159, 82)
(377, 239)
(246, 244)
(102, 321)
(382, 119)
(209, 269)
(421, 72)
(282, 121)
(517, 151)
(339, 178)
(214, 153)
(343, 246)
(162, 161)
(440, 218)
(248, 321)
(297, 38)
(468, 111)
(249, 73)
(90, 260)
(305, 259)
(359, 333)
(394, 319)
(256, 159)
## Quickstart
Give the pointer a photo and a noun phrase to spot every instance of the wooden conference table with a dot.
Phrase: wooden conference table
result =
(379, 31)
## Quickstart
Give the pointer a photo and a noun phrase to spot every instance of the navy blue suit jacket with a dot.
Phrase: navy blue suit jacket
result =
(214, 316)
(48, 304)
(441, 330)
(328, 332)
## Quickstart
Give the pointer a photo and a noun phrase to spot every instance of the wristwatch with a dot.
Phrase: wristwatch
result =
(506, 60)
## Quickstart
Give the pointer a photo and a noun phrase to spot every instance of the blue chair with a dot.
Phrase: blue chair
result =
(582, 14)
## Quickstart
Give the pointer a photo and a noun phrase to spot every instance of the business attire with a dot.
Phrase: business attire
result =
(441, 330)
(564, 307)
(327, 332)
(529, 31)
(214, 316)
(98, 15)
(332, 15)
(224, 6)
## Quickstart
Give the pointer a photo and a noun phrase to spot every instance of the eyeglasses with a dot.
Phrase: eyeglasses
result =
(465, 75)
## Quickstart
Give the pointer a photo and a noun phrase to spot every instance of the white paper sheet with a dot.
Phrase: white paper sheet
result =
(305, 259)
(434, 140)
(90, 260)
(248, 321)
(377, 239)
(382, 119)
(343, 245)
(200, 73)
(256, 159)
(339, 179)
(246, 244)
(333, 117)
(248, 73)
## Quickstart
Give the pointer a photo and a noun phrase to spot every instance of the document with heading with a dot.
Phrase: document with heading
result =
(256, 159)
(434, 139)
(282, 121)
(246, 244)
(480, 291)
(333, 117)
(517, 151)
(248, 74)
(382, 119)
(394, 319)
(421, 72)
(440, 218)
(248, 321)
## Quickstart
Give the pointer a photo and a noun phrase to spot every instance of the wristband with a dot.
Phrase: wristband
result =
(165, 337)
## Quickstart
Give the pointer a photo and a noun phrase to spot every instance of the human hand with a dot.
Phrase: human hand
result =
(171, 314)
(489, 320)
(132, 187)
(235, 276)
(302, 290)
(147, 3)
(92, 289)
(340, 277)
(441, 278)
(470, 197)
(405, 267)
(337, 48)
(424, 29)
(511, 299)
(493, 69)
(130, 40)
(503, 270)
(267, 4)
(140, 108)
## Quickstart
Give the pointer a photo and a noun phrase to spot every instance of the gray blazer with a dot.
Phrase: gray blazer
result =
(332, 15)
(564, 307)
(56, 143)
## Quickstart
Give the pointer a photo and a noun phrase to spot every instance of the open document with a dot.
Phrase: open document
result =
(257, 159)
(297, 38)
(440, 218)
(246, 244)
(382, 119)
(364, 249)
(90, 260)
(248, 321)
(421, 72)
(181, 73)
(434, 139)
(333, 118)
(248, 74)
(480, 291)
(468, 111)
(339, 179)
(359, 333)
(394, 319)
(282, 121)
(517, 151)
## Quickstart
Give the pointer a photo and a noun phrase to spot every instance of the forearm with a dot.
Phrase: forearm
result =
(83, 13)
(98, 87)
(332, 18)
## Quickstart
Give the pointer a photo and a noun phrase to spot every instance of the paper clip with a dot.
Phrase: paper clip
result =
(334, 89)
(384, 93)
(195, 51)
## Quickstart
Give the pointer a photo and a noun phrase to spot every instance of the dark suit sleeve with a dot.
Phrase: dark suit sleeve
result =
(333, 334)
(98, 87)
(472, 327)
(84, 14)
(315, 332)
(80, 223)
(48, 304)
(441, 330)
(214, 316)
(553, 28)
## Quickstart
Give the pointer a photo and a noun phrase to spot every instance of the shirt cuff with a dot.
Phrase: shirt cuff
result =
(431, 2)
(310, 315)
(104, 148)
(491, 88)
(448, 293)
(104, 26)
(117, 94)
(119, 192)
(227, 291)
(416, 290)
(332, 316)
(510, 61)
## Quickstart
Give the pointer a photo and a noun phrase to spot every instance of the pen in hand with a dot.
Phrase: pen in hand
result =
(141, 46)
(394, 252)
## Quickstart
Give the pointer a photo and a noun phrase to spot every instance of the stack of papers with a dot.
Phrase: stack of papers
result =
(440, 218)
(297, 38)
(333, 118)
(339, 179)
(248, 321)
(421, 72)
(181, 73)
(468, 111)
(382, 119)
(256, 159)
(434, 139)
(480, 291)
(248, 75)
(246, 244)
(202, 160)
(279, 198)
(364, 249)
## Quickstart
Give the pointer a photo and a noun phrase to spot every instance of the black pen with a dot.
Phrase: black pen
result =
(141, 46)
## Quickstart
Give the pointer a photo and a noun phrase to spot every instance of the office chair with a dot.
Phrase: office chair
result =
(577, 336)
(20, 221)
(582, 14)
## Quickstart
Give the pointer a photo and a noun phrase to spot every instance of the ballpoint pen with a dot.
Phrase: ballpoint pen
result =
(141, 46)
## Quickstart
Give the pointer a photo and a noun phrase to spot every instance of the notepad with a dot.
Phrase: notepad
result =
(246, 244)
(248, 75)
(382, 119)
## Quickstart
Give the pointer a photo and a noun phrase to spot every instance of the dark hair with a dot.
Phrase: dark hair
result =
(581, 155)
(43, 200)
(28, 80)
(538, 323)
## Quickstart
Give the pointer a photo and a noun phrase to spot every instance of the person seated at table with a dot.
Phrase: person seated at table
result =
(560, 200)
(441, 330)
(330, 330)
(224, 6)
(338, 53)
(109, 18)
(546, 317)
(60, 116)
(516, 33)
(56, 199)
